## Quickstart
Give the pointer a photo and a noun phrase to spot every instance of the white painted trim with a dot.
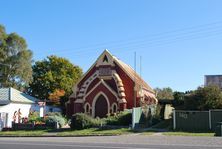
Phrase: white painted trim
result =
(78, 101)
(104, 83)
(85, 110)
(100, 62)
(94, 64)
(84, 98)
(114, 104)
(94, 103)
(110, 89)
(90, 81)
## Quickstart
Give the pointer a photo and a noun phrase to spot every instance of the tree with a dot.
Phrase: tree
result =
(204, 98)
(15, 60)
(178, 99)
(164, 93)
(56, 96)
(53, 75)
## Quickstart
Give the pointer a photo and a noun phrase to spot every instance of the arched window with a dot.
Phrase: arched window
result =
(87, 108)
(114, 108)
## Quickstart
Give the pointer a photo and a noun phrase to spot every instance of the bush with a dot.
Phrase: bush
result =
(34, 117)
(53, 118)
(54, 113)
(83, 121)
(121, 119)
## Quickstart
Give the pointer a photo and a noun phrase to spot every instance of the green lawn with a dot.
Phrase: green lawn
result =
(210, 134)
(68, 132)
(95, 131)
(23, 133)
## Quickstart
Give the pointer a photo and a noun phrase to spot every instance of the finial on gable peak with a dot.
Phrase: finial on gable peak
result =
(107, 51)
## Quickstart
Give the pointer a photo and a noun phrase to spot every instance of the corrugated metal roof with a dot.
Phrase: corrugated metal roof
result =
(4, 96)
(12, 95)
(132, 74)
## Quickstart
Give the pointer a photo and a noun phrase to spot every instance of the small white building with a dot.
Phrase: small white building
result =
(12, 101)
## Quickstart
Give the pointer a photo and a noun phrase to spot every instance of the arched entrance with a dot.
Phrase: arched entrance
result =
(101, 107)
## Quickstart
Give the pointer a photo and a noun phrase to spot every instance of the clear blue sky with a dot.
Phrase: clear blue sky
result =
(179, 40)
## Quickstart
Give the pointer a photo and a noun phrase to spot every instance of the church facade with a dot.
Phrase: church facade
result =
(107, 87)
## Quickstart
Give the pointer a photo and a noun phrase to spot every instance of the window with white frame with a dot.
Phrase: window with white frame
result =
(87, 108)
(114, 108)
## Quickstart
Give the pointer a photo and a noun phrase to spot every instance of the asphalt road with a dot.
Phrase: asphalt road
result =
(112, 142)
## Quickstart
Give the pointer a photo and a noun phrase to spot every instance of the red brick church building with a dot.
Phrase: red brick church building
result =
(108, 87)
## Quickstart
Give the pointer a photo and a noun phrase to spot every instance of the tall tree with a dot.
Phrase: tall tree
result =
(15, 60)
(53, 76)
(164, 93)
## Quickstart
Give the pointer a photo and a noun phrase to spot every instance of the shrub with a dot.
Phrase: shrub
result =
(121, 119)
(83, 121)
(54, 113)
(34, 117)
(56, 118)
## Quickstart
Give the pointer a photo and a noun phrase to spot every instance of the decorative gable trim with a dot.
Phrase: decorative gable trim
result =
(106, 85)
(105, 59)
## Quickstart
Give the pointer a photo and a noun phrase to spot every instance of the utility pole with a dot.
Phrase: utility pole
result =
(141, 87)
(134, 88)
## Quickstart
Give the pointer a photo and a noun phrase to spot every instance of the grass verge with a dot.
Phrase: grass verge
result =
(95, 132)
(23, 133)
(210, 134)
(68, 132)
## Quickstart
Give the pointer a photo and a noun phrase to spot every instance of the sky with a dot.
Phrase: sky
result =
(178, 42)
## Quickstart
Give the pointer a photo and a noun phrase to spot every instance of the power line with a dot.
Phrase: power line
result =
(160, 41)
(191, 31)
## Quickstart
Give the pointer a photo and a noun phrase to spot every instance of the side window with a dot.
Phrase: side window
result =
(114, 108)
(87, 108)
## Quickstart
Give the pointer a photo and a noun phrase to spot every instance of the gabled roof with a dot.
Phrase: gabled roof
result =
(133, 75)
(8, 95)
(126, 68)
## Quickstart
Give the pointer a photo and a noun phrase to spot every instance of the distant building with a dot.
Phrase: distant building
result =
(213, 80)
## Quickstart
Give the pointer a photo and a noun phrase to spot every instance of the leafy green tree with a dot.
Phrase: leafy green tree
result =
(164, 93)
(53, 74)
(15, 60)
(178, 99)
(204, 98)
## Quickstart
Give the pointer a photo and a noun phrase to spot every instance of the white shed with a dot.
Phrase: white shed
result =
(12, 100)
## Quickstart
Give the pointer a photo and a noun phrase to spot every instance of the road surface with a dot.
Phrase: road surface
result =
(112, 142)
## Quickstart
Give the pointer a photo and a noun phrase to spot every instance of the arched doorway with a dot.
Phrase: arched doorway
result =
(101, 107)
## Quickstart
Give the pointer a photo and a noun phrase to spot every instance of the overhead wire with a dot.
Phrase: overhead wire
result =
(170, 36)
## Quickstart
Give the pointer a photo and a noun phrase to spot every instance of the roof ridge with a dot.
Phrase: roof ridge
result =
(138, 77)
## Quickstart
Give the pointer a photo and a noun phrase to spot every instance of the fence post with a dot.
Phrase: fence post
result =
(133, 118)
(210, 125)
(174, 119)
